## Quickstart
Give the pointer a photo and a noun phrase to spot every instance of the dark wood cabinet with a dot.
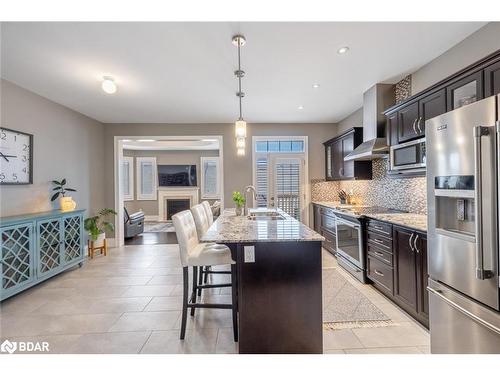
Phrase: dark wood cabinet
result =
(397, 265)
(492, 79)
(430, 106)
(405, 268)
(317, 218)
(336, 149)
(392, 129)
(465, 91)
(407, 121)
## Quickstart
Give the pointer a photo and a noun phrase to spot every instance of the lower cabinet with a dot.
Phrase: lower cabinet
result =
(401, 274)
(38, 246)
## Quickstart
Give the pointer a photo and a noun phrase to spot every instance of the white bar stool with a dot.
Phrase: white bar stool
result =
(195, 254)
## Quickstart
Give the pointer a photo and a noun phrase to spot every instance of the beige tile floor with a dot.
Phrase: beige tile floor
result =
(129, 302)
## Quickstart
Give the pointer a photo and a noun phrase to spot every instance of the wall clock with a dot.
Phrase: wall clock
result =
(16, 157)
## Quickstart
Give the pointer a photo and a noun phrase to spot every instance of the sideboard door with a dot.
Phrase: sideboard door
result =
(50, 246)
(73, 239)
(17, 263)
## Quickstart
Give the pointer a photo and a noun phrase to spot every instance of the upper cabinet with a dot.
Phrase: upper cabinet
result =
(465, 91)
(406, 120)
(339, 147)
(492, 79)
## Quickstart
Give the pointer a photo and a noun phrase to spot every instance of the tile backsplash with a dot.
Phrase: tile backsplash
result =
(408, 194)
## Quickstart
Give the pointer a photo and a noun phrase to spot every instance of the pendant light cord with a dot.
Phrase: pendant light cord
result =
(239, 77)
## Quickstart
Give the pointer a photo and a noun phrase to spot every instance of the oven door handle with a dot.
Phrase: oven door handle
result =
(348, 223)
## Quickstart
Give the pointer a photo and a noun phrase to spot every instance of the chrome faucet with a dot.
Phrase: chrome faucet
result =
(248, 189)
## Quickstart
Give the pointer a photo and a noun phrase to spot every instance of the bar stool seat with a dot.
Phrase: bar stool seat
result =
(209, 255)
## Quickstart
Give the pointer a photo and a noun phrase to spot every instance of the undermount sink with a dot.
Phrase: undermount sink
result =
(265, 215)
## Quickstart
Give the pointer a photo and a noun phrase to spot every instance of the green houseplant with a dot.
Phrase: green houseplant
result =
(96, 226)
(239, 201)
(60, 189)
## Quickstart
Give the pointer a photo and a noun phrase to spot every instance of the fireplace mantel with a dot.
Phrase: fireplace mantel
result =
(165, 193)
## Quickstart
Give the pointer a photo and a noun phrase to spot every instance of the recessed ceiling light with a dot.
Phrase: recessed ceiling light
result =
(108, 85)
(300, 107)
(126, 140)
(315, 85)
(342, 50)
(145, 140)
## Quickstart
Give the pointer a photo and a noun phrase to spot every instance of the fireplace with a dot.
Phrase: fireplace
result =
(176, 205)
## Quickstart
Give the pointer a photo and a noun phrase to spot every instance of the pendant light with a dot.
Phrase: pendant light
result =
(240, 126)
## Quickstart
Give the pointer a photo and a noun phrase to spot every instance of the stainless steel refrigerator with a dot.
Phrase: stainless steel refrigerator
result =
(463, 148)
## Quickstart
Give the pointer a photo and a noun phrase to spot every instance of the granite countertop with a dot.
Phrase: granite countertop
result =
(410, 220)
(229, 228)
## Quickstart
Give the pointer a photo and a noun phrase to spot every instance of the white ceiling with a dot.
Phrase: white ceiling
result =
(183, 72)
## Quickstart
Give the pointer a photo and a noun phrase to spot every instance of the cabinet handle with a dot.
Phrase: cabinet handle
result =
(414, 123)
(341, 171)
(378, 241)
(410, 243)
(379, 253)
(418, 124)
(378, 272)
(415, 244)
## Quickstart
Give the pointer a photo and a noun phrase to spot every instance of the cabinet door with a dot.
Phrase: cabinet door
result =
(49, 247)
(392, 129)
(405, 277)
(465, 91)
(422, 276)
(16, 258)
(407, 123)
(347, 148)
(328, 162)
(337, 160)
(429, 107)
(492, 79)
(73, 239)
(317, 218)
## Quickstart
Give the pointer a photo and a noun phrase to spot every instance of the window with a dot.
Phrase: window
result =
(128, 178)
(146, 178)
(261, 180)
(210, 178)
(280, 146)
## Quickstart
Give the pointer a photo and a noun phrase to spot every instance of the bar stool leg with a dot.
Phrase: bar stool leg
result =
(185, 298)
(200, 280)
(195, 281)
(207, 268)
(234, 295)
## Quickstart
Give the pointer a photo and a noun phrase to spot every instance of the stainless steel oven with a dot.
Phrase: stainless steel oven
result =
(408, 157)
(350, 252)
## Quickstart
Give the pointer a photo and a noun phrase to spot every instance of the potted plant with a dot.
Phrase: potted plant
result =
(239, 201)
(66, 203)
(96, 226)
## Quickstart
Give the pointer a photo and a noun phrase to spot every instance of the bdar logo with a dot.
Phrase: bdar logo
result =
(8, 347)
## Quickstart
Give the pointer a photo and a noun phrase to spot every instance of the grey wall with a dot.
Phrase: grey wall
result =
(355, 119)
(66, 144)
(237, 170)
(478, 45)
(191, 157)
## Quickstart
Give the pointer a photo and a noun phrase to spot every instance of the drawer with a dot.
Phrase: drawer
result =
(380, 227)
(330, 242)
(381, 274)
(379, 241)
(382, 255)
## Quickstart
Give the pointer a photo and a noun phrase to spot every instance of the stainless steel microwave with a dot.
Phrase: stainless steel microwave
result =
(408, 157)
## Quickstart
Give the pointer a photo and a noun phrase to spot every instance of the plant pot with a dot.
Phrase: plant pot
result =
(67, 204)
(99, 241)
(239, 211)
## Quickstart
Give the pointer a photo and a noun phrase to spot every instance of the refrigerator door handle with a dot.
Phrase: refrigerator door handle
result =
(478, 132)
(466, 312)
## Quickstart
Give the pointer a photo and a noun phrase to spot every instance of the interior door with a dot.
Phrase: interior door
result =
(286, 184)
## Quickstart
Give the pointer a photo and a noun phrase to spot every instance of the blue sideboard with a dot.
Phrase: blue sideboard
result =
(35, 247)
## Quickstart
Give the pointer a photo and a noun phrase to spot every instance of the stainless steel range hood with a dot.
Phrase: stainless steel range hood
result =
(375, 101)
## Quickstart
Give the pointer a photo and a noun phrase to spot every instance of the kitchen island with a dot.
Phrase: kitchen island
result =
(279, 280)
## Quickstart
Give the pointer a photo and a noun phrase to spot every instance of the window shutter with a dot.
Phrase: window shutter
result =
(146, 178)
(210, 177)
(127, 180)
(288, 187)
(261, 181)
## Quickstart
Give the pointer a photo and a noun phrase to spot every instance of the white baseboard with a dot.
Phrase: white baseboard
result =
(151, 217)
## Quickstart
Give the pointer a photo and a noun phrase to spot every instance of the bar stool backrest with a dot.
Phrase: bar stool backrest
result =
(200, 219)
(208, 210)
(185, 229)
